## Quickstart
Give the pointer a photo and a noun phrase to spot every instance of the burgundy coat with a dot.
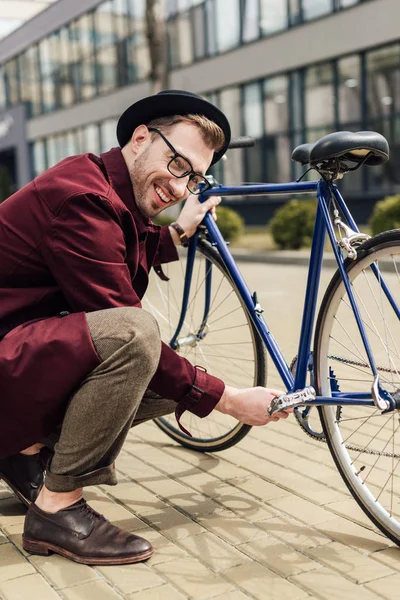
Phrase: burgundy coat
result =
(73, 240)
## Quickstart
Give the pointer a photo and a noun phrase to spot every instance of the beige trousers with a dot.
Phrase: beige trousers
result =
(112, 399)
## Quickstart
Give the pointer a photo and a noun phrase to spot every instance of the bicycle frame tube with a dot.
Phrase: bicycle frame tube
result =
(234, 273)
(374, 268)
(322, 224)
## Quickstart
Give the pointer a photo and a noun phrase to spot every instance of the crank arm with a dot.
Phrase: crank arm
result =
(291, 400)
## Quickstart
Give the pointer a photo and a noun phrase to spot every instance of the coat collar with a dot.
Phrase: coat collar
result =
(120, 181)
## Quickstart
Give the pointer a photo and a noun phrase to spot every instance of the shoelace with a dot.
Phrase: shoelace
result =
(88, 511)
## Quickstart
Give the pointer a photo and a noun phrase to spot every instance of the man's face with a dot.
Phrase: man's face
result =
(154, 187)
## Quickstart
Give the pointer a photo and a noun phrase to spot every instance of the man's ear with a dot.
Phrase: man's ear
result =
(140, 137)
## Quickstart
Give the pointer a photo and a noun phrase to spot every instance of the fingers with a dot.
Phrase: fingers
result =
(211, 202)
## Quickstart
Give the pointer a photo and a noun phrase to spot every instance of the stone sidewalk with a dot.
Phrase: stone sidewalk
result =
(267, 519)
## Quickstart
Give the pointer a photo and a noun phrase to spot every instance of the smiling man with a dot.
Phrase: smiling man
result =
(80, 361)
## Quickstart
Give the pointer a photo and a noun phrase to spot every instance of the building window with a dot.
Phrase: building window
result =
(349, 92)
(346, 3)
(274, 16)
(316, 8)
(251, 20)
(227, 15)
(106, 53)
(229, 103)
(276, 103)
(108, 134)
(138, 55)
(185, 37)
(38, 157)
(89, 139)
(199, 31)
(30, 81)
(319, 98)
(253, 110)
(383, 81)
(11, 82)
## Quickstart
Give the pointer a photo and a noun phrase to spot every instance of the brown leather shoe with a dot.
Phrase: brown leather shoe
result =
(24, 474)
(83, 535)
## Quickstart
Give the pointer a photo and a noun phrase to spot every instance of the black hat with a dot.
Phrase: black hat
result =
(169, 103)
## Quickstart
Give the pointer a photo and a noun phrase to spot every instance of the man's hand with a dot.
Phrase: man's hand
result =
(250, 405)
(193, 212)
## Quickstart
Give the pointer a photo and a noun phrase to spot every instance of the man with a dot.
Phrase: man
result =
(78, 353)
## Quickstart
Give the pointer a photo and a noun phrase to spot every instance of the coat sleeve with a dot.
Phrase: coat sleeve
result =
(85, 250)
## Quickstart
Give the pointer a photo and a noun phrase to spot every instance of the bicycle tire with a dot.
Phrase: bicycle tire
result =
(230, 431)
(360, 436)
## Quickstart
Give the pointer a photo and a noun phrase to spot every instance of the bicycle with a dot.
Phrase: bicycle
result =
(206, 312)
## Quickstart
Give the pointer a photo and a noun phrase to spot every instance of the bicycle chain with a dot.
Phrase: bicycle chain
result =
(339, 411)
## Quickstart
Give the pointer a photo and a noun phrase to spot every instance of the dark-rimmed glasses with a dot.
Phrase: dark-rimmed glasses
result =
(180, 167)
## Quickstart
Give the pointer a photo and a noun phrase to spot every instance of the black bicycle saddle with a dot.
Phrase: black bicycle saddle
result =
(368, 147)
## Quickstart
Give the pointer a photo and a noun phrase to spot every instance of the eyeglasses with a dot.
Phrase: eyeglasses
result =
(180, 167)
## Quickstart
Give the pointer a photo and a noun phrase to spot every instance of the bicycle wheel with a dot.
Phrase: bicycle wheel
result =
(229, 348)
(363, 442)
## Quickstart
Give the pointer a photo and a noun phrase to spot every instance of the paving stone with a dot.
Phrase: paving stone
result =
(260, 488)
(12, 563)
(164, 592)
(164, 549)
(31, 586)
(388, 587)
(13, 534)
(261, 583)
(138, 499)
(302, 509)
(292, 532)
(12, 512)
(222, 468)
(131, 578)
(354, 535)
(194, 504)
(61, 572)
(214, 552)
(349, 509)
(355, 566)
(93, 590)
(244, 505)
(205, 483)
(235, 595)
(231, 528)
(327, 585)
(278, 556)
(389, 557)
(174, 525)
(193, 579)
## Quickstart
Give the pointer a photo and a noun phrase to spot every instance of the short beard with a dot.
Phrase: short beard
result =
(138, 181)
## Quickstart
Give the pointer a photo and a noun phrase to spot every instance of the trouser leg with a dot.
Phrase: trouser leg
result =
(103, 409)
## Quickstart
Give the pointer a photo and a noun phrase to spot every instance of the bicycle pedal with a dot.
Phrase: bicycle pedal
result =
(291, 400)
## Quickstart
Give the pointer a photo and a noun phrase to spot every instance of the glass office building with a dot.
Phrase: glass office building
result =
(284, 71)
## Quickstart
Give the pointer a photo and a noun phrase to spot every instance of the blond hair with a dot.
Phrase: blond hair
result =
(211, 133)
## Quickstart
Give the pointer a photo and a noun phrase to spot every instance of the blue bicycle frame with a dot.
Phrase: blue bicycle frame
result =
(324, 191)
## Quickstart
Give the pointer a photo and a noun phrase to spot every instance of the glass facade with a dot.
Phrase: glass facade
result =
(106, 48)
(92, 55)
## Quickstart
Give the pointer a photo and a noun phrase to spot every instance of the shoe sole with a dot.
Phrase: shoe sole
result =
(19, 495)
(44, 549)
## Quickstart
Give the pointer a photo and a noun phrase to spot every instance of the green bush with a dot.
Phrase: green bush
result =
(386, 215)
(292, 225)
(163, 219)
(230, 223)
